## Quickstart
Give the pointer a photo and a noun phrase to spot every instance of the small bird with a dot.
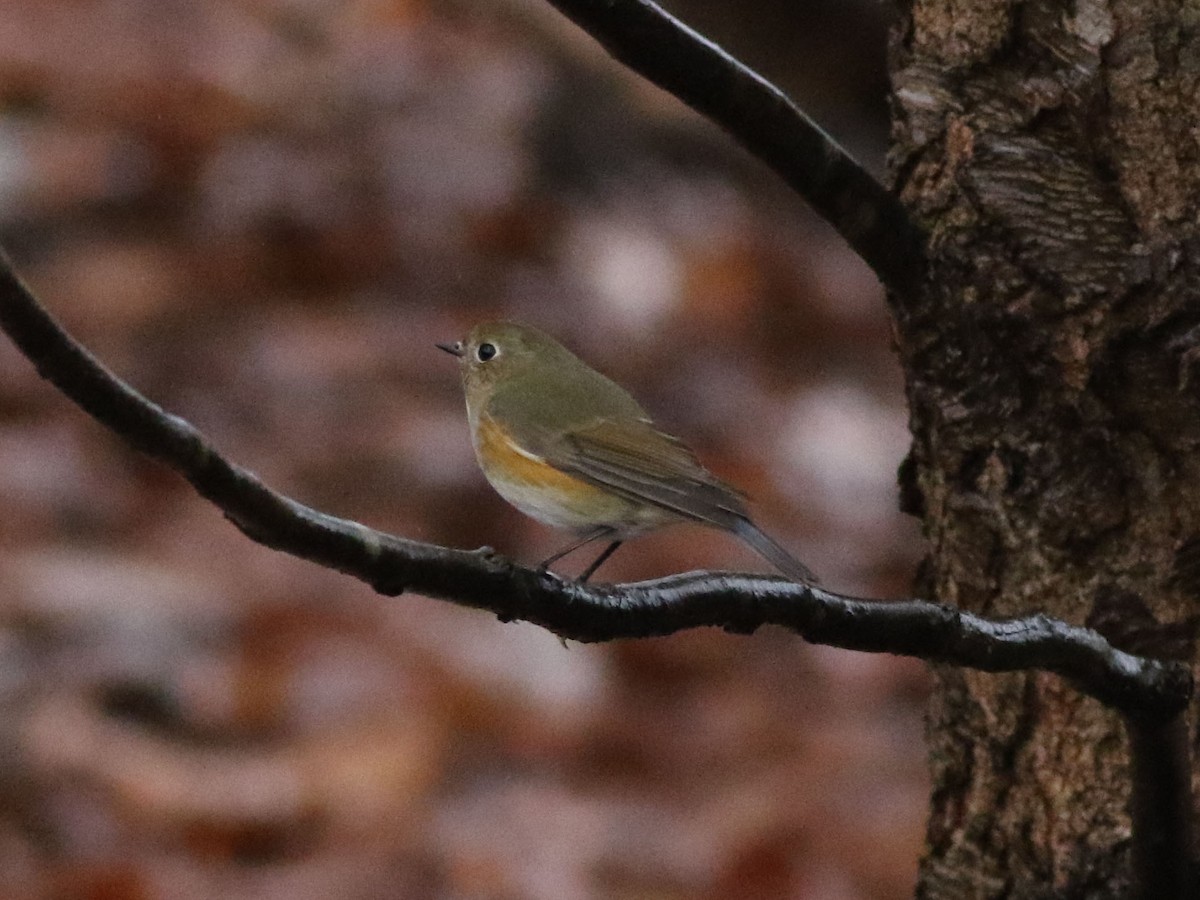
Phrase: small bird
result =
(571, 448)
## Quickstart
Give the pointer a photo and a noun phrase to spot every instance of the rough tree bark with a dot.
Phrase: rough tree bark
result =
(1052, 149)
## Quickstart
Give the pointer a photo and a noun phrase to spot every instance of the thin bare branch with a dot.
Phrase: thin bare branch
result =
(1151, 689)
(766, 122)
(1164, 851)
(1151, 694)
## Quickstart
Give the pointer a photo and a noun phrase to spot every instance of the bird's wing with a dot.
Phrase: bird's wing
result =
(635, 460)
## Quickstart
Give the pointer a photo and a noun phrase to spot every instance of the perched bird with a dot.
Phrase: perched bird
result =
(571, 448)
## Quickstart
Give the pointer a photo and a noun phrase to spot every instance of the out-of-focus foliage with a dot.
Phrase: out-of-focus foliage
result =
(263, 213)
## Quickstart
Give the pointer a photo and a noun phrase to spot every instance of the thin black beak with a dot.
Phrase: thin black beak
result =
(455, 349)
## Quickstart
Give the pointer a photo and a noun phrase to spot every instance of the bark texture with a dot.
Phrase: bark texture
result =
(1052, 148)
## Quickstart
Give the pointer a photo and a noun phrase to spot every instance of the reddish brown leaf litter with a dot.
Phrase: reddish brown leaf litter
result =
(263, 214)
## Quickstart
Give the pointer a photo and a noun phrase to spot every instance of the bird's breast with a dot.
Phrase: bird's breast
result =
(548, 494)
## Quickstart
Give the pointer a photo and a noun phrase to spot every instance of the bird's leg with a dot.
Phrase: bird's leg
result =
(596, 534)
(608, 551)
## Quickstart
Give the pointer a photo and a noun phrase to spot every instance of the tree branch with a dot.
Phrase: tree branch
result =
(766, 122)
(1151, 694)
(1164, 851)
(1151, 689)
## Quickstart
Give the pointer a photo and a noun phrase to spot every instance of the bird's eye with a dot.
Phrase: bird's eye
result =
(485, 352)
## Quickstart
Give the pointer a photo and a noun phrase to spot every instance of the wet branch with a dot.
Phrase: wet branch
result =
(1151, 694)
(1153, 690)
(767, 123)
(1164, 851)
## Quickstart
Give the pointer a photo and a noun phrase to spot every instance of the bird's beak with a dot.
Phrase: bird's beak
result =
(455, 349)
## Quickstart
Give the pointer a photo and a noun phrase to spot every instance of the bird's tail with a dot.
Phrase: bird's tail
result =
(765, 546)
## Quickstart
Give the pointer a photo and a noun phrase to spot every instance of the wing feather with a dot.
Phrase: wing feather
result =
(635, 460)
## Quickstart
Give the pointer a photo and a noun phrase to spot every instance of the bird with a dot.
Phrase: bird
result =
(574, 450)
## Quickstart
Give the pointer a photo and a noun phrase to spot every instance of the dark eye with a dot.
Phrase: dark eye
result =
(485, 352)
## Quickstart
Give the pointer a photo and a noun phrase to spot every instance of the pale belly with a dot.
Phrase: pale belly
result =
(555, 498)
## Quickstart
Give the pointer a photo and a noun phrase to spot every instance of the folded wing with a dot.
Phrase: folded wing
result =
(635, 460)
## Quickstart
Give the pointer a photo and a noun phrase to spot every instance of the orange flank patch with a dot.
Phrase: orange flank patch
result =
(537, 488)
(500, 458)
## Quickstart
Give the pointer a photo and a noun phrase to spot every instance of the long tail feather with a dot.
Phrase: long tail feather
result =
(765, 546)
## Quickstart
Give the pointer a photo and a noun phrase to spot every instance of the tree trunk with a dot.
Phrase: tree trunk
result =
(1053, 365)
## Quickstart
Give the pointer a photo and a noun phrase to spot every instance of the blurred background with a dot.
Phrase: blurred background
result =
(262, 213)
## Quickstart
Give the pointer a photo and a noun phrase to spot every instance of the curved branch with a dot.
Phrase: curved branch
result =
(1149, 689)
(1151, 694)
(1164, 850)
(766, 122)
